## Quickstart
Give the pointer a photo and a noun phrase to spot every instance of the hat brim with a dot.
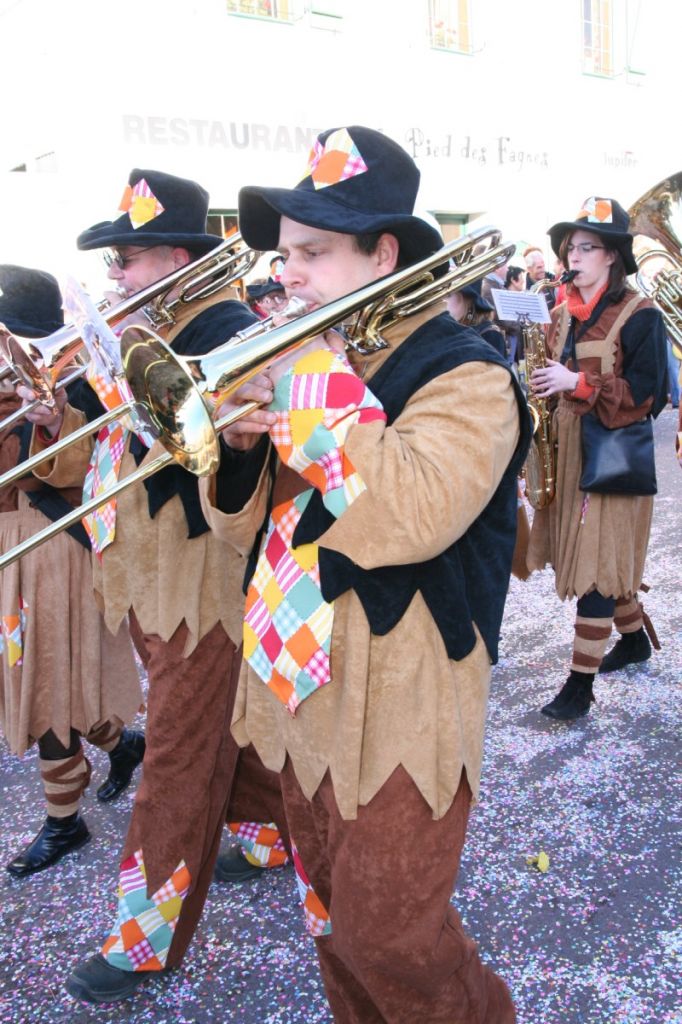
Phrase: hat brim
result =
(259, 291)
(620, 240)
(21, 329)
(100, 236)
(480, 304)
(260, 210)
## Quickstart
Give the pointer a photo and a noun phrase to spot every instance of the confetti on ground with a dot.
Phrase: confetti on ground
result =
(595, 940)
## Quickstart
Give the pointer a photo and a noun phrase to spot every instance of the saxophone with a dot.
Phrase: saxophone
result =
(539, 470)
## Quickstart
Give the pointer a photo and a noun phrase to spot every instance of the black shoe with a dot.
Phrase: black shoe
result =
(630, 649)
(124, 759)
(96, 981)
(233, 866)
(573, 699)
(57, 837)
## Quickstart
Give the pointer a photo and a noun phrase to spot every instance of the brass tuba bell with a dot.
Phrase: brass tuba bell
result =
(657, 216)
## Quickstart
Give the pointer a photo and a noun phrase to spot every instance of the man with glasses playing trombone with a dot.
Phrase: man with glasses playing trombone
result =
(157, 561)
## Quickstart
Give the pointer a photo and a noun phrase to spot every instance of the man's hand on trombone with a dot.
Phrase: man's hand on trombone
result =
(50, 419)
(245, 432)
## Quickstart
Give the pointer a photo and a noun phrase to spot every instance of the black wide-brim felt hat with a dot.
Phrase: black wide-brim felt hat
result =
(259, 291)
(603, 217)
(357, 182)
(30, 301)
(473, 291)
(158, 209)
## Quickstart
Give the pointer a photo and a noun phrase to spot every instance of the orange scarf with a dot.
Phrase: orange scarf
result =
(583, 310)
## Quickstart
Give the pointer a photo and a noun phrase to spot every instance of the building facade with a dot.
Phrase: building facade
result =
(514, 112)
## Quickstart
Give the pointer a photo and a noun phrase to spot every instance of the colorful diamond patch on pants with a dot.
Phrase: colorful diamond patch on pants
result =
(261, 843)
(12, 635)
(145, 926)
(317, 919)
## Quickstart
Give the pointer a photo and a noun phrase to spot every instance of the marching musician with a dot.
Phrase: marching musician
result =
(376, 590)
(158, 562)
(468, 307)
(266, 298)
(64, 674)
(608, 358)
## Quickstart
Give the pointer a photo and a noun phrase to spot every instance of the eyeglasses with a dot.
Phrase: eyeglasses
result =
(112, 257)
(584, 247)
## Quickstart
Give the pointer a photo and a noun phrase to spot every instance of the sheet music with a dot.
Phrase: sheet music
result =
(105, 370)
(101, 342)
(520, 306)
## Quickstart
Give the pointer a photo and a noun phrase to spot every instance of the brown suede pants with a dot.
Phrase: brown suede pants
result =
(193, 768)
(397, 953)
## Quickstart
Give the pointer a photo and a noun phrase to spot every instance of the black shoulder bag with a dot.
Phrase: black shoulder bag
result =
(616, 460)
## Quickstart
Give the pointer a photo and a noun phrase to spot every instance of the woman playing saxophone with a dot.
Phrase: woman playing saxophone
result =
(606, 356)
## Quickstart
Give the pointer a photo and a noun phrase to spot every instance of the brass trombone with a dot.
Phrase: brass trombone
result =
(179, 395)
(178, 391)
(38, 363)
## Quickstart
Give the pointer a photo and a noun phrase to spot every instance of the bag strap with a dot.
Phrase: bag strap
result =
(609, 360)
(562, 332)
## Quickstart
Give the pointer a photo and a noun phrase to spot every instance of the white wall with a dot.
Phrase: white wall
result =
(514, 131)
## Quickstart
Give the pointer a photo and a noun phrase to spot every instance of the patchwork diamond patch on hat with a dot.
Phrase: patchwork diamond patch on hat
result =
(596, 211)
(140, 203)
(337, 160)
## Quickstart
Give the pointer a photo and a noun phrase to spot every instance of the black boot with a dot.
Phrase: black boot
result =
(630, 649)
(57, 837)
(96, 981)
(573, 699)
(232, 866)
(124, 759)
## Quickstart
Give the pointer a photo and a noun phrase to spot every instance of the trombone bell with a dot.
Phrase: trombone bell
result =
(22, 369)
(170, 400)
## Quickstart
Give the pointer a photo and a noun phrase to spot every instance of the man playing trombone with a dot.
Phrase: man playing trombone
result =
(376, 589)
(158, 562)
(64, 675)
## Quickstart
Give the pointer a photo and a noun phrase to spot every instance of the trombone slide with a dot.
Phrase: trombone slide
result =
(142, 473)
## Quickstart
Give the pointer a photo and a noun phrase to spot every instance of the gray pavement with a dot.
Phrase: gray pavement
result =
(597, 939)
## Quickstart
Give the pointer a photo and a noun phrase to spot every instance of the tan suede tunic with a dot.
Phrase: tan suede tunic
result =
(73, 673)
(396, 699)
(596, 541)
(152, 566)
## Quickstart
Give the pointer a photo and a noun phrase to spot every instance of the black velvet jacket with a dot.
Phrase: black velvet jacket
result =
(468, 582)
(206, 331)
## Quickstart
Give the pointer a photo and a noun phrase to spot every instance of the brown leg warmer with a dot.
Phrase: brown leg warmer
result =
(397, 952)
(64, 782)
(628, 615)
(590, 643)
(105, 735)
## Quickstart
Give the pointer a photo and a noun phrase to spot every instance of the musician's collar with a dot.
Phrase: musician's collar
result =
(367, 366)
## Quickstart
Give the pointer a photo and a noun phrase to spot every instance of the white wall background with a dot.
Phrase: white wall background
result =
(514, 132)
